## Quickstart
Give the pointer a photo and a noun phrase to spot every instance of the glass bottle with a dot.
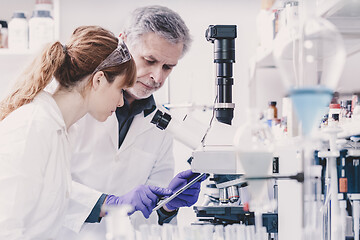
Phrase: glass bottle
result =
(271, 113)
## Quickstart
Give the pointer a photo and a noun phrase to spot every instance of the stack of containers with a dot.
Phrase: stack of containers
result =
(36, 32)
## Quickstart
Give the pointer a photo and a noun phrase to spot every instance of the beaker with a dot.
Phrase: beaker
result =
(118, 224)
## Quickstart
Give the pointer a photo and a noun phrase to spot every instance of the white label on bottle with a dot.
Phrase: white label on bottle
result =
(41, 32)
(18, 34)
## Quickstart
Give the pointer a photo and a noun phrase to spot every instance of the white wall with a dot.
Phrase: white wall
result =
(7, 8)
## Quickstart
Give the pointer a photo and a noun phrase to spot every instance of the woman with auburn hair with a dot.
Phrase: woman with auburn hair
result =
(92, 70)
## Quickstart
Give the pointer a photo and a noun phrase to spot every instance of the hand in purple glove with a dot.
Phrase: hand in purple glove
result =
(188, 197)
(142, 198)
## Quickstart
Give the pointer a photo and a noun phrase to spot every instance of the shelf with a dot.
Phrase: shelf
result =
(344, 14)
(327, 7)
(13, 61)
(27, 7)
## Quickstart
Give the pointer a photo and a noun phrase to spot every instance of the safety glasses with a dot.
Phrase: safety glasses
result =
(120, 55)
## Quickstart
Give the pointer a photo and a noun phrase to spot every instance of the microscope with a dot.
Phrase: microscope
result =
(216, 153)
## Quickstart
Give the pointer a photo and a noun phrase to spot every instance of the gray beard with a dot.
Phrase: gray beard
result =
(135, 94)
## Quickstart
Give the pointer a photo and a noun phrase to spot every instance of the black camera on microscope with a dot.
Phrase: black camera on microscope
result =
(223, 38)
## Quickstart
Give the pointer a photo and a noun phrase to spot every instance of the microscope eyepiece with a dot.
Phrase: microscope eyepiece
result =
(161, 120)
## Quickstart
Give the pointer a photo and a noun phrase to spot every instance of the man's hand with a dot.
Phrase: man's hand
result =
(188, 197)
(142, 198)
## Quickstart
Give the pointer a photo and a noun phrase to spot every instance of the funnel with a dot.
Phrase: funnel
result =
(310, 104)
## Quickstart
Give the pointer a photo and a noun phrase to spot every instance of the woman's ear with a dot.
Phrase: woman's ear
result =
(97, 79)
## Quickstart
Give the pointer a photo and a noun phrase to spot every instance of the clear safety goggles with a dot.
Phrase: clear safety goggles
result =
(120, 55)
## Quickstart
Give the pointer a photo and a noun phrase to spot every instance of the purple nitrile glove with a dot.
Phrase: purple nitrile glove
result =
(142, 198)
(188, 197)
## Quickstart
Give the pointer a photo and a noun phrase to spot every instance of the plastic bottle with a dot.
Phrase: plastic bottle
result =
(44, 5)
(334, 113)
(3, 34)
(348, 108)
(18, 32)
(345, 112)
(41, 29)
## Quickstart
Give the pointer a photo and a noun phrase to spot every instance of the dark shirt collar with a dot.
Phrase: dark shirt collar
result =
(147, 105)
(125, 115)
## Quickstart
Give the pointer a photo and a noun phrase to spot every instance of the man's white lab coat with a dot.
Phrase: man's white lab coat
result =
(35, 179)
(145, 157)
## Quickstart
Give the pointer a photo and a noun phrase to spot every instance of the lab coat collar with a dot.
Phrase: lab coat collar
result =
(46, 99)
(139, 126)
(143, 111)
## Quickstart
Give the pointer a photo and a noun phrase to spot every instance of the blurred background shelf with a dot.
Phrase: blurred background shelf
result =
(328, 7)
(345, 15)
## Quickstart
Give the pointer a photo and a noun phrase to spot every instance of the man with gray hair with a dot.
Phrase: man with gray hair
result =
(115, 159)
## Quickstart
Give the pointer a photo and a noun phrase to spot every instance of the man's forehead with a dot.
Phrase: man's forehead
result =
(159, 48)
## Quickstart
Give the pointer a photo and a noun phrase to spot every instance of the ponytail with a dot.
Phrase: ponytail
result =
(34, 79)
(87, 48)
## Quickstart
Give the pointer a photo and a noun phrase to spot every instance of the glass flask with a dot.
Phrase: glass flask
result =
(310, 55)
(254, 152)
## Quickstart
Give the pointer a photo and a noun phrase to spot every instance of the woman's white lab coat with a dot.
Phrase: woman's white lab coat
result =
(35, 177)
(145, 157)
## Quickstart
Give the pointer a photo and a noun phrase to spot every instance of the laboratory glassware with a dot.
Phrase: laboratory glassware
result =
(310, 55)
(254, 152)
